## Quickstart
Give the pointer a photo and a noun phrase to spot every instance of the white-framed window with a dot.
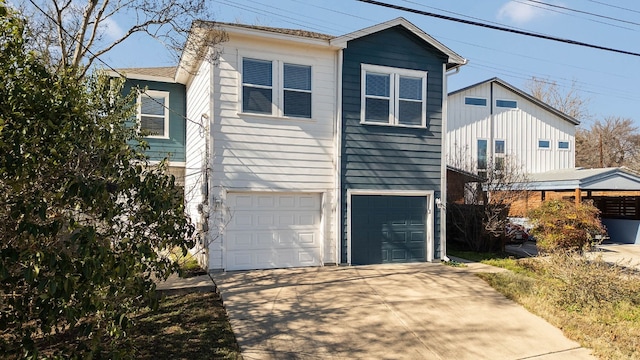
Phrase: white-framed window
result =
(277, 88)
(482, 157)
(392, 96)
(509, 104)
(544, 144)
(564, 145)
(475, 101)
(499, 154)
(153, 113)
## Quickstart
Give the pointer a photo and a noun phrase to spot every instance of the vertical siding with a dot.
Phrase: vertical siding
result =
(269, 153)
(521, 129)
(174, 147)
(386, 157)
(198, 93)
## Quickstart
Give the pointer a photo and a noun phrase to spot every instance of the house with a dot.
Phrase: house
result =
(161, 109)
(304, 149)
(492, 122)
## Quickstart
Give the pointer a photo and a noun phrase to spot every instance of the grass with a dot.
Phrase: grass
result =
(186, 326)
(594, 303)
(503, 260)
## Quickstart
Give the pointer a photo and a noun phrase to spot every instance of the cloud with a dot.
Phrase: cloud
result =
(111, 29)
(519, 13)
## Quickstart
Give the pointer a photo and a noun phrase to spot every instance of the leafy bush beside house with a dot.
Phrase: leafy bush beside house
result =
(561, 225)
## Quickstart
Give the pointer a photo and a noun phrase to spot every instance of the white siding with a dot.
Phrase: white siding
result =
(258, 153)
(198, 101)
(521, 129)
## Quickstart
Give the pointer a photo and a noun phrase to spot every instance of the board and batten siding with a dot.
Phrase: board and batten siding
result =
(520, 128)
(386, 157)
(198, 111)
(262, 153)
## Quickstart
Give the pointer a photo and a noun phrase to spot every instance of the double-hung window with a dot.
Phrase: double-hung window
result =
(499, 154)
(153, 113)
(286, 94)
(393, 96)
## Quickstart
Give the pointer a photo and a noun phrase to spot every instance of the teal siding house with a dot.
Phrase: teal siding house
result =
(392, 172)
(161, 111)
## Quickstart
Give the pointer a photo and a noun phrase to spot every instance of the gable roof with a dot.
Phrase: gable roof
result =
(612, 178)
(523, 94)
(162, 73)
(454, 60)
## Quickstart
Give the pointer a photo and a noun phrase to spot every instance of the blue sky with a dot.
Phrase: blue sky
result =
(609, 80)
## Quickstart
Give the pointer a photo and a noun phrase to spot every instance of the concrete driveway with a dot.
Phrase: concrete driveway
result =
(415, 311)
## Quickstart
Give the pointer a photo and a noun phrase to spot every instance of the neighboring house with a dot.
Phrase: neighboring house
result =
(492, 122)
(161, 110)
(306, 149)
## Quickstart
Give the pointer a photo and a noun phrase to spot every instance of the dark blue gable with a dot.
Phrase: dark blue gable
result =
(381, 157)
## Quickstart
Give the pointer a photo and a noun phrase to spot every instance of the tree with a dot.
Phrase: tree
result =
(612, 142)
(570, 102)
(73, 34)
(84, 220)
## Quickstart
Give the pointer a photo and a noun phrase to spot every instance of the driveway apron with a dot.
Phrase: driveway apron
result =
(412, 311)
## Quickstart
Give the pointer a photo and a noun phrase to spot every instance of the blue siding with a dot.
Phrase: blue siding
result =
(174, 147)
(386, 157)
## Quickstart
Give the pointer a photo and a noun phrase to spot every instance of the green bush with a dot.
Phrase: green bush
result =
(563, 226)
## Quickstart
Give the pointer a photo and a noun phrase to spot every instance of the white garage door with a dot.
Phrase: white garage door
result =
(273, 230)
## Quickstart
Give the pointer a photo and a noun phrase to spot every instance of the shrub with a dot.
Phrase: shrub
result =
(563, 226)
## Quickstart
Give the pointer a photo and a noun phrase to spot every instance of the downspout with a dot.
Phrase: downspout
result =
(443, 164)
(338, 142)
(213, 208)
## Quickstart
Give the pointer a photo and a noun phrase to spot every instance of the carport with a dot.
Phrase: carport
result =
(615, 191)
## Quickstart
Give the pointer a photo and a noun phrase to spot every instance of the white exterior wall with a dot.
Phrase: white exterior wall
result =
(265, 153)
(198, 104)
(521, 129)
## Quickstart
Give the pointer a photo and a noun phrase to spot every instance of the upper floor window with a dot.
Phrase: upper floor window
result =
(288, 94)
(393, 96)
(563, 145)
(544, 144)
(153, 113)
(511, 104)
(475, 101)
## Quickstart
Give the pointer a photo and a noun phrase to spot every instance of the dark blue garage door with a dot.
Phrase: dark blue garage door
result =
(388, 229)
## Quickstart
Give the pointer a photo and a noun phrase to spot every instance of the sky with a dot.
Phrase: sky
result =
(610, 81)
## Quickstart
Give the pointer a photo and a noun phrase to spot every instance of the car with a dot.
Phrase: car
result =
(516, 233)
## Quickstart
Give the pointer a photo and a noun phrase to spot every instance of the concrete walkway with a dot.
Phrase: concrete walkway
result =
(410, 311)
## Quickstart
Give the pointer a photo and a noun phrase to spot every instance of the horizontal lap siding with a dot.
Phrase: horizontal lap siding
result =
(385, 157)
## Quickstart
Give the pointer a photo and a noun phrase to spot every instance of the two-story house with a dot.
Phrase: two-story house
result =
(306, 149)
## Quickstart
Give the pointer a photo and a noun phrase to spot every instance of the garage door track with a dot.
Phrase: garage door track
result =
(413, 311)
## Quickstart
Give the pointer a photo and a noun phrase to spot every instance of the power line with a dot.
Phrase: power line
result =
(583, 12)
(614, 6)
(526, 3)
(500, 28)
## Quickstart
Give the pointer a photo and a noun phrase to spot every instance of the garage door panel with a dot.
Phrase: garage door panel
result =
(273, 230)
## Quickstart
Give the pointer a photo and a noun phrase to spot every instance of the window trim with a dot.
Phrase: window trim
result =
(476, 97)
(277, 85)
(153, 94)
(394, 91)
(507, 107)
(568, 148)
(499, 155)
(544, 148)
(486, 155)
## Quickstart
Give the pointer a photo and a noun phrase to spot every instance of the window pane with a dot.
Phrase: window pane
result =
(507, 104)
(256, 100)
(563, 144)
(257, 72)
(377, 110)
(297, 77)
(499, 163)
(297, 104)
(410, 113)
(482, 154)
(544, 144)
(410, 88)
(378, 84)
(475, 101)
(152, 105)
(499, 147)
(153, 125)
